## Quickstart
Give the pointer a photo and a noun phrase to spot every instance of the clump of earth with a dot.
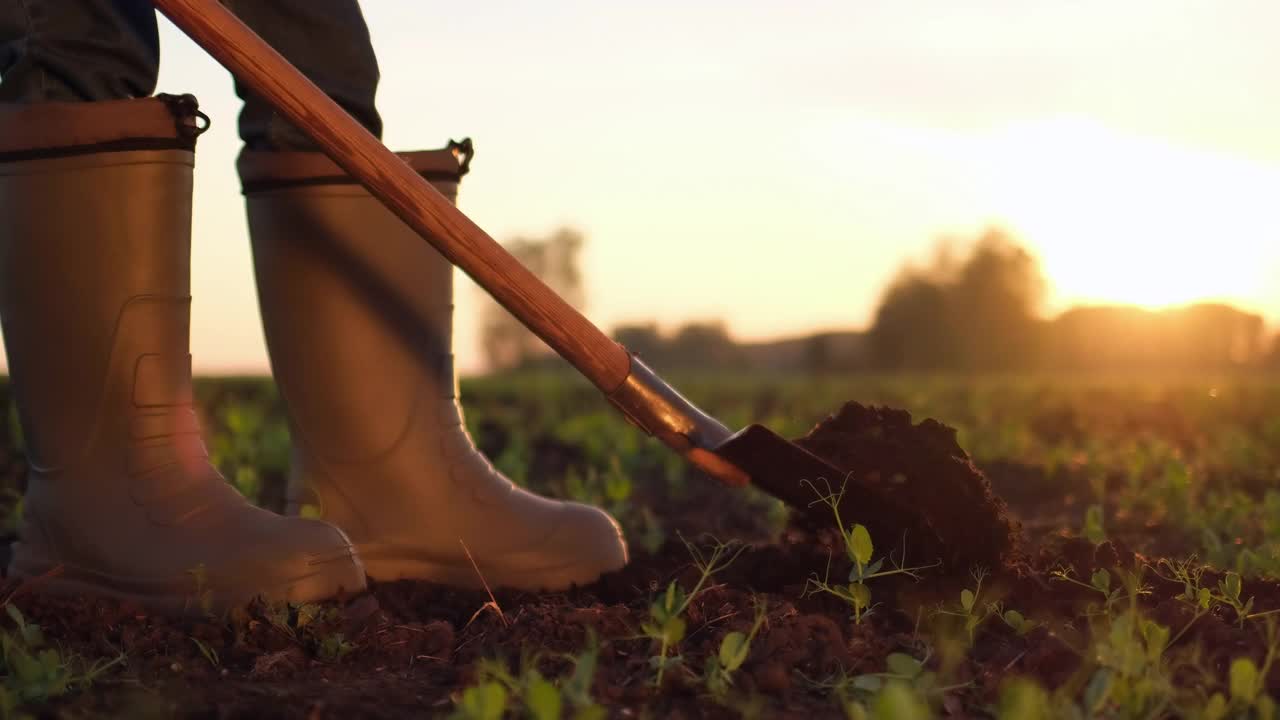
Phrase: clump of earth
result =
(912, 485)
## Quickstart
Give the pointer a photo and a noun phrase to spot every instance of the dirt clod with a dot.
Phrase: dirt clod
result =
(913, 483)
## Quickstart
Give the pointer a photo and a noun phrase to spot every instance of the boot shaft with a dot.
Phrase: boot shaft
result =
(328, 255)
(94, 272)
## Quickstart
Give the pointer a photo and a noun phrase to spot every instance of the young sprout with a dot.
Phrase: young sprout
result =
(1094, 530)
(734, 649)
(973, 613)
(859, 549)
(666, 625)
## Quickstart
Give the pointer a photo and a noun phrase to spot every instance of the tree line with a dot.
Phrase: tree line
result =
(973, 307)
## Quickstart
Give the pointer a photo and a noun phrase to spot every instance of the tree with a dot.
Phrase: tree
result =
(506, 343)
(973, 312)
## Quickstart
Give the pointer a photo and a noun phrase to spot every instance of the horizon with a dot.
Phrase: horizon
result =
(774, 167)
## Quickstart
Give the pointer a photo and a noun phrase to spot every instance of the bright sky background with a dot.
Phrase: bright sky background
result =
(774, 163)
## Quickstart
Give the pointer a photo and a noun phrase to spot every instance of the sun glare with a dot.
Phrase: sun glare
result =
(1124, 219)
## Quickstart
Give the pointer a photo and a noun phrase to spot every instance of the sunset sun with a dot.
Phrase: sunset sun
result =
(1121, 219)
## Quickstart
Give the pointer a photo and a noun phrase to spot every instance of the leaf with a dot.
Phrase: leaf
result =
(1204, 598)
(869, 683)
(858, 573)
(1231, 586)
(673, 630)
(904, 665)
(967, 599)
(590, 712)
(1016, 621)
(674, 600)
(1101, 580)
(1215, 709)
(898, 702)
(860, 544)
(860, 595)
(1243, 680)
(734, 649)
(1023, 699)
(854, 710)
(484, 702)
(1156, 637)
(1093, 530)
(578, 686)
(1097, 691)
(1265, 707)
(543, 699)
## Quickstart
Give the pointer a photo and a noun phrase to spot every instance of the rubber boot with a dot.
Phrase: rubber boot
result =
(358, 314)
(121, 498)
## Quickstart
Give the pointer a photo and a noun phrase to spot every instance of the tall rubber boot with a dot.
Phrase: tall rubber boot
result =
(95, 300)
(358, 314)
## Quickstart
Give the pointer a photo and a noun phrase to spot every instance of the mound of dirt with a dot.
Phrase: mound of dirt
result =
(912, 483)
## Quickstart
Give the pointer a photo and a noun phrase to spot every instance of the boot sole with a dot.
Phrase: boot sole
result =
(388, 563)
(324, 579)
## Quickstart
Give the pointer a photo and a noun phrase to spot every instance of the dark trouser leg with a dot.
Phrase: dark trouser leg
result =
(77, 50)
(329, 42)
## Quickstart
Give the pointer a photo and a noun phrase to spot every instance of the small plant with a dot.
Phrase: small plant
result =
(1024, 699)
(486, 700)
(734, 649)
(576, 688)
(497, 690)
(207, 652)
(33, 672)
(970, 610)
(1019, 623)
(859, 549)
(1099, 581)
(312, 626)
(1229, 593)
(1246, 686)
(332, 647)
(903, 690)
(666, 625)
(1094, 530)
(1191, 574)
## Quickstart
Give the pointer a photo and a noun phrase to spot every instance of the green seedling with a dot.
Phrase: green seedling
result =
(1094, 530)
(34, 673)
(1024, 699)
(497, 690)
(1018, 622)
(1246, 686)
(576, 688)
(666, 625)
(1229, 588)
(1191, 574)
(859, 549)
(484, 701)
(312, 626)
(906, 684)
(332, 647)
(1100, 582)
(207, 652)
(970, 609)
(734, 649)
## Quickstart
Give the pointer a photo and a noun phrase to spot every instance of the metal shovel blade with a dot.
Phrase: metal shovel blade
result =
(778, 466)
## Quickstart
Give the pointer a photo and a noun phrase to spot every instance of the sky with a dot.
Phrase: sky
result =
(773, 164)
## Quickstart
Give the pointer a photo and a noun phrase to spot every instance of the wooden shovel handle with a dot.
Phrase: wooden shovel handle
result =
(348, 143)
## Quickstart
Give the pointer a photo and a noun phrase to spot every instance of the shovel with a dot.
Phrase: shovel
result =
(752, 455)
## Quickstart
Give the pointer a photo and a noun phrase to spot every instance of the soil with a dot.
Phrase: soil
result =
(913, 481)
(415, 646)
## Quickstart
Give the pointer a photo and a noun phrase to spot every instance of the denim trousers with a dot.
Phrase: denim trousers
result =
(89, 50)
